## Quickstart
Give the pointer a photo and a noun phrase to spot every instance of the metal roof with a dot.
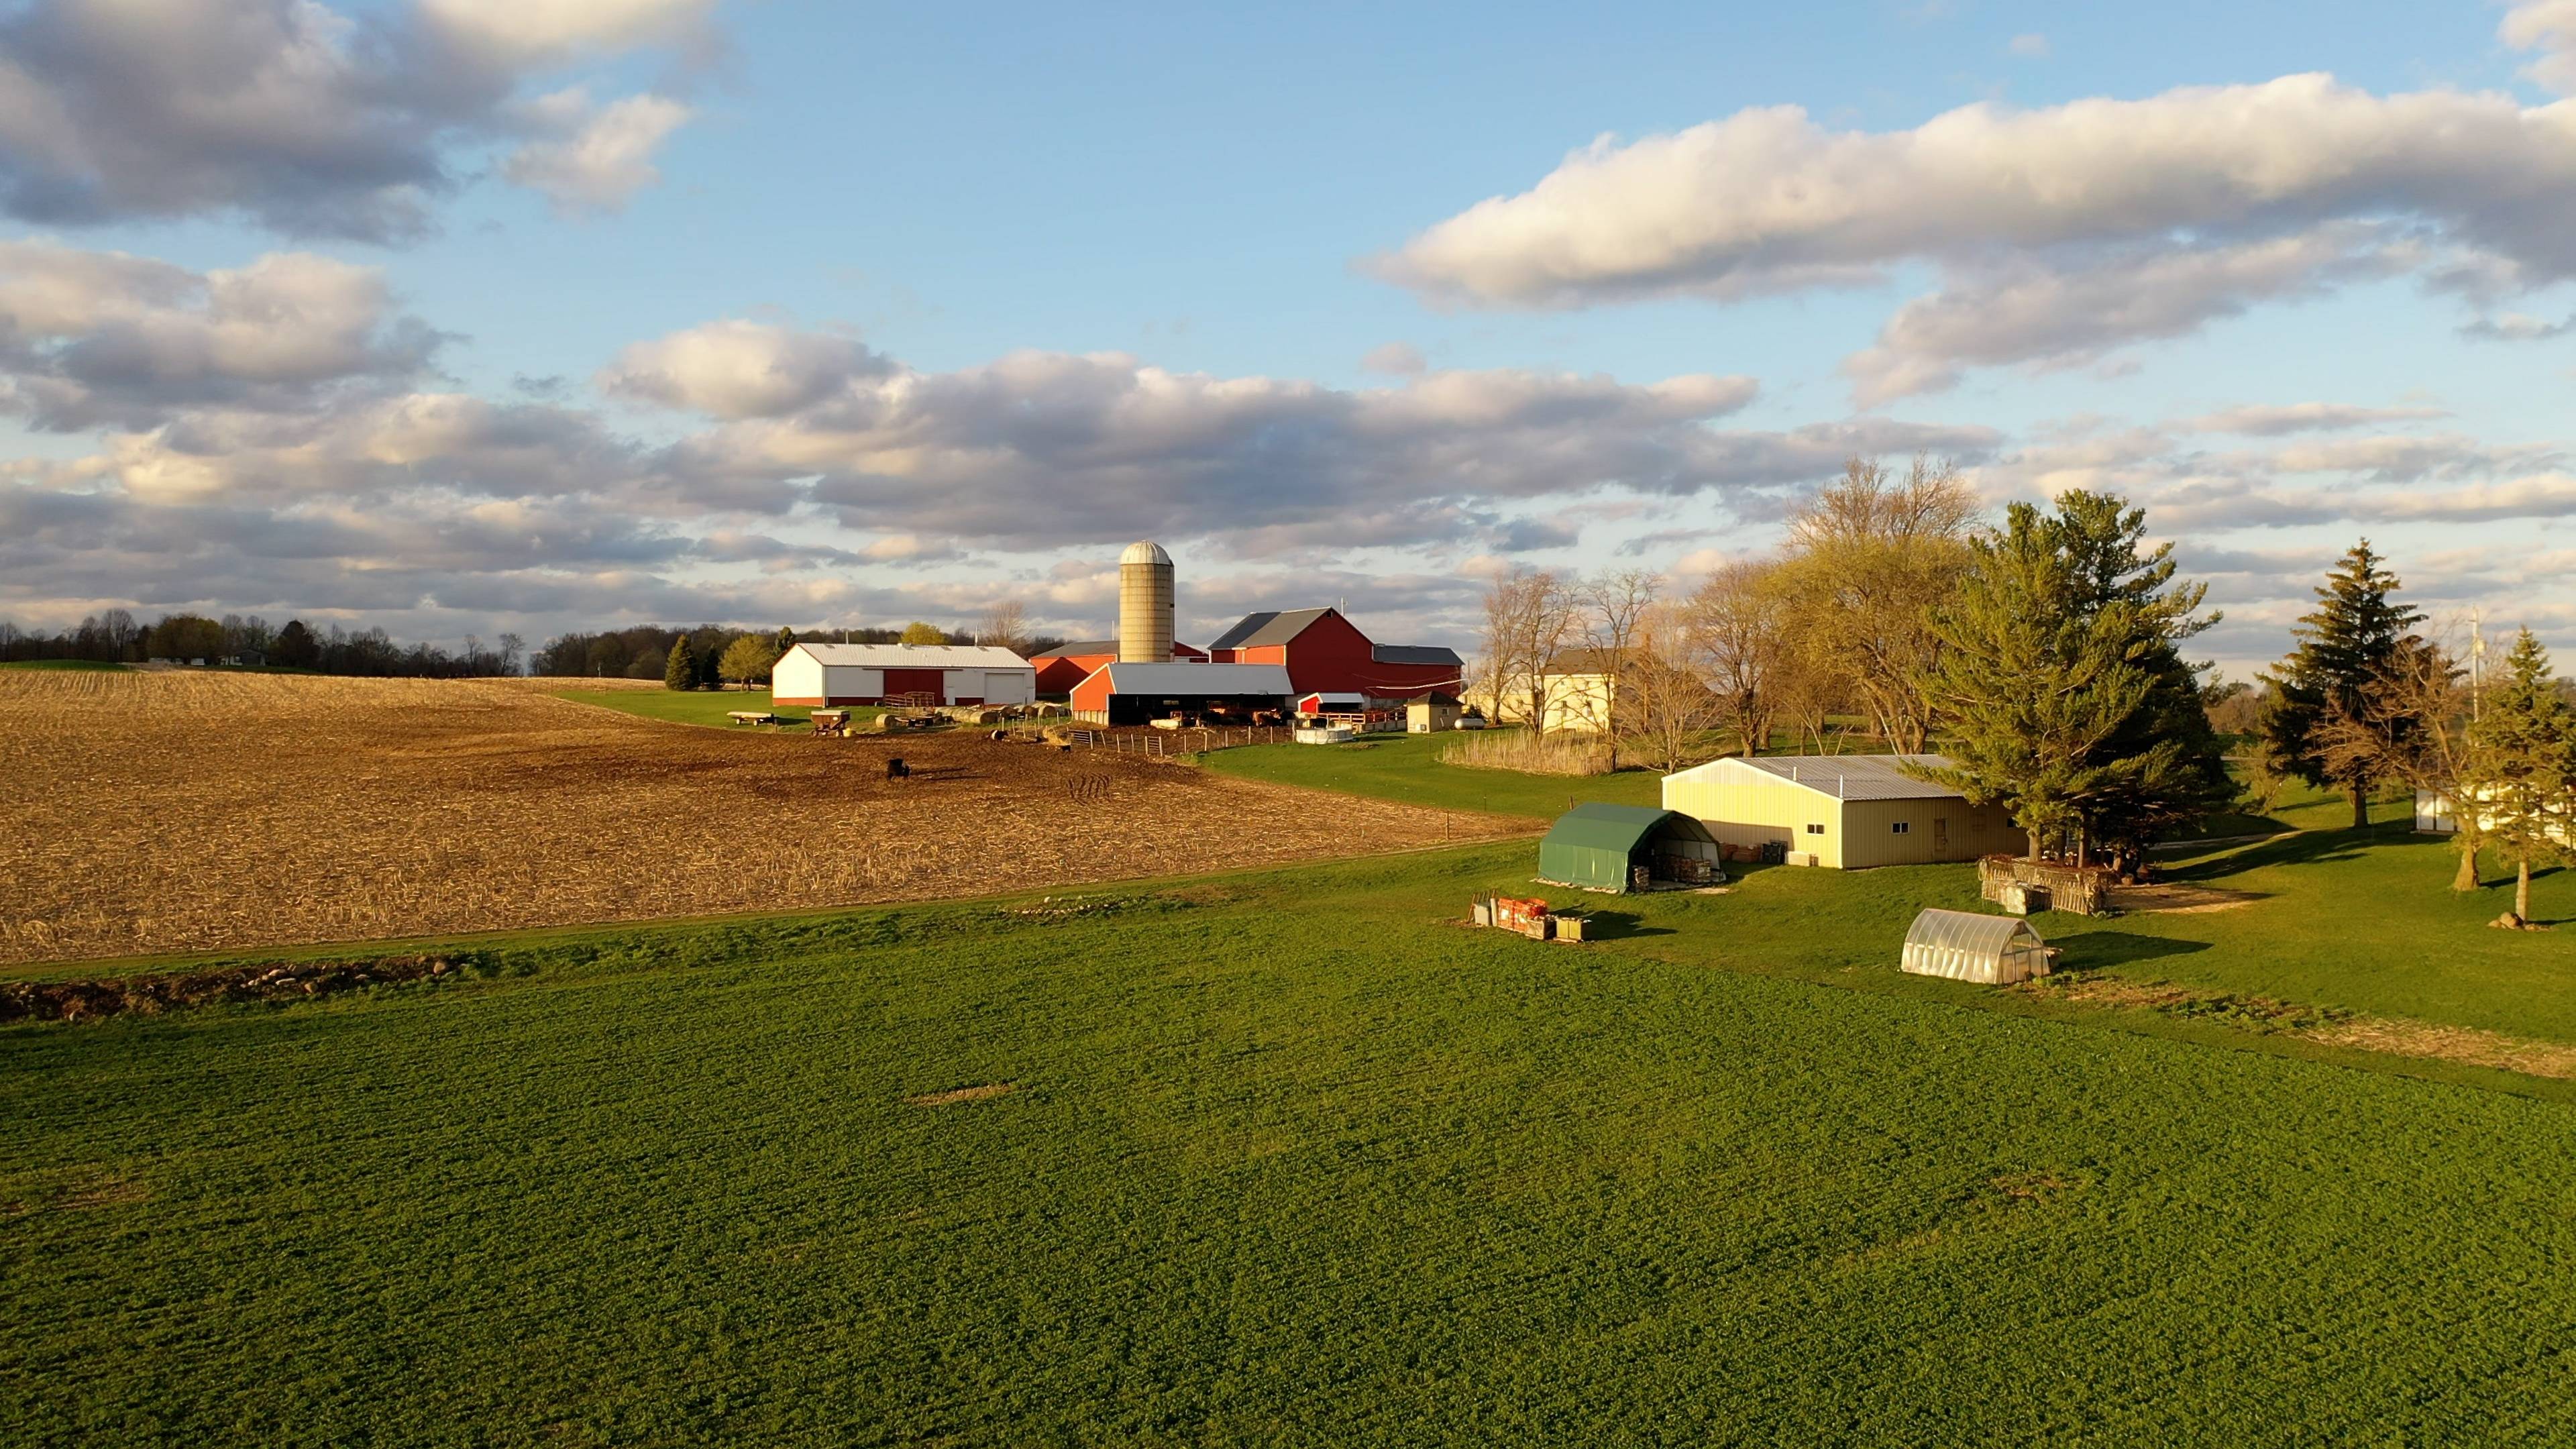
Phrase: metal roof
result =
(1181, 681)
(1416, 654)
(1844, 777)
(1272, 626)
(915, 656)
(1594, 844)
(1144, 552)
(1078, 646)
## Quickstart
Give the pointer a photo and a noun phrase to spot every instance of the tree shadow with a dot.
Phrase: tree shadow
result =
(2097, 949)
(2310, 847)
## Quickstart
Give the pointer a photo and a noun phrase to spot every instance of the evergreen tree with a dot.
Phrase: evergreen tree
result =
(2176, 772)
(2344, 645)
(779, 646)
(295, 647)
(2524, 745)
(681, 671)
(2034, 681)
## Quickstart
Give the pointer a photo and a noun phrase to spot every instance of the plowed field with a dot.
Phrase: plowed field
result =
(144, 813)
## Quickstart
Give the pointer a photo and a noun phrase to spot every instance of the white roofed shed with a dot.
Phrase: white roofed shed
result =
(839, 674)
(1848, 812)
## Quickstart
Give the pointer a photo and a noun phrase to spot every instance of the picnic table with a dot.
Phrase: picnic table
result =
(751, 716)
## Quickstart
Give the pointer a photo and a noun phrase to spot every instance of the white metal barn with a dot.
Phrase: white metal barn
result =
(1847, 812)
(1965, 946)
(838, 674)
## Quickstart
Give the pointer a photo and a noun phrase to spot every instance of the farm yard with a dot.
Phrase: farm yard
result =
(1175, 1162)
(176, 812)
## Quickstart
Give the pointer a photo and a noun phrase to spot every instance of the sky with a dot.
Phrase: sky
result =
(468, 316)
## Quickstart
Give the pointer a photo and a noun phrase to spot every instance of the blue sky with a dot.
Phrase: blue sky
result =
(624, 310)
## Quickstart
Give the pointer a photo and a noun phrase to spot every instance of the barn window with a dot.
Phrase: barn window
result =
(1815, 830)
(1901, 827)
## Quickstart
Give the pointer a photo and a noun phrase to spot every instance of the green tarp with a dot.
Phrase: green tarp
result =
(1597, 845)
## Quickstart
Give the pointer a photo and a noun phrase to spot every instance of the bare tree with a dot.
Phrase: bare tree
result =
(1005, 623)
(2410, 724)
(1617, 604)
(1528, 617)
(1740, 635)
(1869, 558)
(1661, 700)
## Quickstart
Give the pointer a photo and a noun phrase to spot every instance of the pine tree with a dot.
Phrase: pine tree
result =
(779, 646)
(2175, 766)
(2031, 684)
(681, 672)
(2524, 745)
(2343, 646)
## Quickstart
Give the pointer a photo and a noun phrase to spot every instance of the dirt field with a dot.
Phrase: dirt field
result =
(144, 813)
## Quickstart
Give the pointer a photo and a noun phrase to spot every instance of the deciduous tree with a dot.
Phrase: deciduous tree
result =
(1739, 630)
(1869, 558)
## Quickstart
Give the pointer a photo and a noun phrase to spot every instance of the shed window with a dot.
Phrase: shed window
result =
(1901, 827)
(1815, 830)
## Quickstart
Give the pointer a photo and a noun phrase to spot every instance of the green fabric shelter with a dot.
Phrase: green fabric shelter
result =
(1599, 846)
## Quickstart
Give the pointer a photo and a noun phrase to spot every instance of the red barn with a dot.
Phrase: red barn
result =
(1326, 652)
(1066, 665)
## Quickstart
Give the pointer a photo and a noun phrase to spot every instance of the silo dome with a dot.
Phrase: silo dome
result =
(1145, 553)
(1144, 605)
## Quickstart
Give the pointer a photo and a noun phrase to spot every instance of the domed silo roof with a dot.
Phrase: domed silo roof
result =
(1145, 553)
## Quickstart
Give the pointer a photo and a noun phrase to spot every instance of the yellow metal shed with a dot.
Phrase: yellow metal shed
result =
(1847, 812)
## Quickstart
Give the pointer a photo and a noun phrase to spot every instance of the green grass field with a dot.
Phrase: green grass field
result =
(1291, 1158)
(1408, 768)
(697, 706)
(86, 665)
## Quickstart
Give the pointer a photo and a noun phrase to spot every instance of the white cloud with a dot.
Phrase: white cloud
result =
(739, 369)
(1401, 359)
(2032, 46)
(603, 158)
(309, 120)
(2271, 420)
(2549, 27)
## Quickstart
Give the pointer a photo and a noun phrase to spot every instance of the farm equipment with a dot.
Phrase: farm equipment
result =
(831, 723)
(1527, 916)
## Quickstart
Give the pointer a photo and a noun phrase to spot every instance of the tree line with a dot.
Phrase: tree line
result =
(116, 637)
(2045, 657)
(712, 656)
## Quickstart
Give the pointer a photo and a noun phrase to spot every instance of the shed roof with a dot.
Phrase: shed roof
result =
(1843, 777)
(1968, 931)
(915, 656)
(1601, 826)
(1078, 647)
(1273, 626)
(1202, 681)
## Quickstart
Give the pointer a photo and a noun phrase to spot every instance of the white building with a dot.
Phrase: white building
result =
(838, 674)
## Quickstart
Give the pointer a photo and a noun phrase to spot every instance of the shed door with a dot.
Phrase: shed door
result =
(1941, 834)
(916, 681)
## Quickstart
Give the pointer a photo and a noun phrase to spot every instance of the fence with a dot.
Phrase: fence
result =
(1164, 744)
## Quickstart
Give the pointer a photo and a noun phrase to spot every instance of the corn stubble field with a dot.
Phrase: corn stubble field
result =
(170, 812)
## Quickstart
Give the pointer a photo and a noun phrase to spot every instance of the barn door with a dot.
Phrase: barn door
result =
(1940, 835)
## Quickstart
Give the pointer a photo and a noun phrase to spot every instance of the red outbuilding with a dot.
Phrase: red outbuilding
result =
(1325, 652)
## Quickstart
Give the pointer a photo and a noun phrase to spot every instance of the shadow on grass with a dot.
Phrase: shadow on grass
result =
(1620, 926)
(2311, 847)
(2098, 949)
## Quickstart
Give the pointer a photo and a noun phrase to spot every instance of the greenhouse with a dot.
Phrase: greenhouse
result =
(1965, 946)
(1628, 847)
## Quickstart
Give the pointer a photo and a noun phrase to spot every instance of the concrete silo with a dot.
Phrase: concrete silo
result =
(1144, 605)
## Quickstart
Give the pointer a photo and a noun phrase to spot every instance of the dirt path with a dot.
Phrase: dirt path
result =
(2395, 1036)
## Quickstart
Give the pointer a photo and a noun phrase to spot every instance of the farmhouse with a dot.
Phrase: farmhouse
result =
(1847, 812)
(835, 674)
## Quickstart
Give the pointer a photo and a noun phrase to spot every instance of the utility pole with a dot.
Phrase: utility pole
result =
(2477, 658)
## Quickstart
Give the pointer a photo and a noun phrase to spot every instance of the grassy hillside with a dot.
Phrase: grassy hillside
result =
(1284, 1159)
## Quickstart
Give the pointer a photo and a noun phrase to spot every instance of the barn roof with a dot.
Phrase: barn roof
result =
(1273, 626)
(916, 656)
(1078, 646)
(1844, 777)
(1203, 681)
(1416, 654)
